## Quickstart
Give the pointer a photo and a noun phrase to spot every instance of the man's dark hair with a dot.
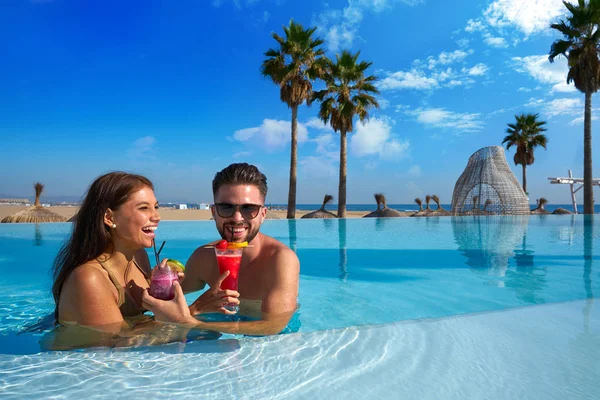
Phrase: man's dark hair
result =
(240, 174)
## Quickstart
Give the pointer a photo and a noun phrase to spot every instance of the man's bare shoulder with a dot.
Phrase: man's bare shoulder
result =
(280, 254)
(275, 247)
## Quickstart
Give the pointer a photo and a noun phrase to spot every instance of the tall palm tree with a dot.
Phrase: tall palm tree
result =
(293, 66)
(526, 135)
(580, 47)
(348, 93)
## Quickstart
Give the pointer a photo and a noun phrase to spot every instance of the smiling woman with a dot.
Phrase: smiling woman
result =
(101, 271)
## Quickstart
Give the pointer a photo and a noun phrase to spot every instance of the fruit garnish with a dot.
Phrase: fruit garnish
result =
(175, 265)
(222, 245)
(236, 245)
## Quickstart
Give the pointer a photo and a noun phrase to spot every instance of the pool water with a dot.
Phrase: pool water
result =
(386, 306)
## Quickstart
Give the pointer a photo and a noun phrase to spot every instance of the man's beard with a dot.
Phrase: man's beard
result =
(227, 234)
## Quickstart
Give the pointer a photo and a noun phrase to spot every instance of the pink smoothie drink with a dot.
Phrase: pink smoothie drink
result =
(161, 283)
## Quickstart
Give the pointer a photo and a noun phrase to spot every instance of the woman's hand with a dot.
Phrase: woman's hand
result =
(174, 311)
(215, 299)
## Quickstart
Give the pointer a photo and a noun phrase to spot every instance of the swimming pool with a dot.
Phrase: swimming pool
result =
(469, 307)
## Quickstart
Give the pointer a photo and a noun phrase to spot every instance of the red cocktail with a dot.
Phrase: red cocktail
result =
(229, 259)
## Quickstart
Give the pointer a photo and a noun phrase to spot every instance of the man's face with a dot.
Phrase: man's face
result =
(233, 210)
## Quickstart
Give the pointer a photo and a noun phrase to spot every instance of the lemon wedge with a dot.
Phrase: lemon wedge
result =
(175, 265)
(236, 245)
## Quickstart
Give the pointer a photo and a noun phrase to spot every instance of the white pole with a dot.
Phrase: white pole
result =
(573, 199)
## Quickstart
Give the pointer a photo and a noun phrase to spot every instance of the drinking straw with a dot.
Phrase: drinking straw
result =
(161, 246)
(155, 253)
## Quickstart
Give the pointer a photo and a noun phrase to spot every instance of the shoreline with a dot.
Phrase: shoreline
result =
(169, 214)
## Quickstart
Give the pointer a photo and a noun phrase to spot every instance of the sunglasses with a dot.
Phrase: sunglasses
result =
(248, 211)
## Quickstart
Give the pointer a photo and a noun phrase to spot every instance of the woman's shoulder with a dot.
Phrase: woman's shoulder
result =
(86, 274)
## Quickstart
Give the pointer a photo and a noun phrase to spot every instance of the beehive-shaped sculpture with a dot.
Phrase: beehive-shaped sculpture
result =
(488, 187)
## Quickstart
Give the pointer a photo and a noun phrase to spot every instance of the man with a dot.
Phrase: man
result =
(269, 270)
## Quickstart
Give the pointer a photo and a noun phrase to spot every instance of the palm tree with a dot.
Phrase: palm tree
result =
(525, 135)
(348, 93)
(580, 48)
(293, 66)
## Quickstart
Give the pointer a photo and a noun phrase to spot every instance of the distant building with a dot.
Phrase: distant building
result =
(14, 201)
(204, 206)
(183, 207)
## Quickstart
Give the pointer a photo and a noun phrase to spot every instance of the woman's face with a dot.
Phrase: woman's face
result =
(136, 220)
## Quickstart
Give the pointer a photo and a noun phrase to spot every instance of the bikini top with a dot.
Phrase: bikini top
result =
(128, 309)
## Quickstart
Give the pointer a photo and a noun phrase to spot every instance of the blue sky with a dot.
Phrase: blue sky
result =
(172, 90)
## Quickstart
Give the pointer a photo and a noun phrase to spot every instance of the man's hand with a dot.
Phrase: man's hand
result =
(174, 311)
(215, 299)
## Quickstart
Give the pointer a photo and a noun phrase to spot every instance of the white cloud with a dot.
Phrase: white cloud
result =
(142, 149)
(339, 28)
(516, 19)
(442, 118)
(318, 166)
(434, 73)
(408, 80)
(414, 171)
(524, 89)
(498, 42)
(539, 68)
(271, 134)
(374, 137)
(317, 123)
(242, 154)
(474, 26)
(383, 104)
(558, 107)
(579, 121)
(477, 70)
(530, 17)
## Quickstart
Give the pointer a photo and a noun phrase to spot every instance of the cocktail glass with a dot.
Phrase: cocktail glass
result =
(229, 260)
(161, 283)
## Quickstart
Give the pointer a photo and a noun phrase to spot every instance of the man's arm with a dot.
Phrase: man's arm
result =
(194, 275)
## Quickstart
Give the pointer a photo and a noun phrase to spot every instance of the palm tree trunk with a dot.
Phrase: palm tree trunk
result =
(342, 186)
(291, 208)
(524, 179)
(588, 194)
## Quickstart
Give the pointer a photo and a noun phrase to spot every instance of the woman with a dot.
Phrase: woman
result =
(103, 269)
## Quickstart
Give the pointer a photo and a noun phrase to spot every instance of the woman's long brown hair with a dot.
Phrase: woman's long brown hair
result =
(90, 236)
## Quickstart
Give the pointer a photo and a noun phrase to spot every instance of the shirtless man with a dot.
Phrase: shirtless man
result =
(269, 271)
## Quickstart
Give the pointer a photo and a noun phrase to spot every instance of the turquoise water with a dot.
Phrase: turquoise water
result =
(360, 278)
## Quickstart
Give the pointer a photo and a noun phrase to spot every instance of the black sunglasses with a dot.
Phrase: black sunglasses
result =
(248, 211)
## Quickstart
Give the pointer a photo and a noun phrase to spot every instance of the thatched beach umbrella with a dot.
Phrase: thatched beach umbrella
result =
(439, 211)
(561, 211)
(35, 214)
(419, 203)
(382, 209)
(375, 214)
(322, 212)
(540, 210)
(421, 212)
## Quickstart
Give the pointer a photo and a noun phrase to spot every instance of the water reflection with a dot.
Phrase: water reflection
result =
(488, 243)
(38, 238)
(343, 248)
(527, 280)
(588, 245)
(292, 234)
